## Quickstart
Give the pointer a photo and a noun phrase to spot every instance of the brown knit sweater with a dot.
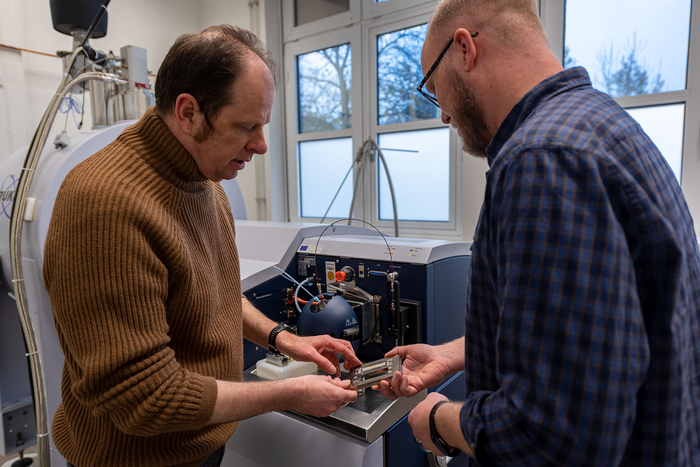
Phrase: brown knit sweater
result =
(142, 271)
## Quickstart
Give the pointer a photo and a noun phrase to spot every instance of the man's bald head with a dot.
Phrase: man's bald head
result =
(499, 51)
(509, 19)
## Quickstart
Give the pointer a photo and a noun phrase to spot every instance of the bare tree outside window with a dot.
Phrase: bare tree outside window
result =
(625, 74)
(569, 61)
(324, 81)
(398, 75)
(628, 75)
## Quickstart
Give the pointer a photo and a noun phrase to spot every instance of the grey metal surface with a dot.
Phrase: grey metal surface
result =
(372, 414)
(403, 250)
(284, 439)
(263, 244)
(367, 418)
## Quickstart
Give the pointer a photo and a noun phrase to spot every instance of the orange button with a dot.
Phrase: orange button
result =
(340, 276)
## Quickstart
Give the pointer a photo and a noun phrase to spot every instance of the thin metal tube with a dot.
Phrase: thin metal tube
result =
(354, 190)
(38, 389)
(16, 222)
(364, 150)
(337, 192)
(391, 187)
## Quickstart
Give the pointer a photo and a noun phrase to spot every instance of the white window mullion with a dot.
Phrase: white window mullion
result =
(691, 139)
(552, 16)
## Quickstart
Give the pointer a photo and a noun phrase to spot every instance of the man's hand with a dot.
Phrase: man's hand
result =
(419, 419)
(321, 350)
(314, 395)
(319, 395)
(424, 366)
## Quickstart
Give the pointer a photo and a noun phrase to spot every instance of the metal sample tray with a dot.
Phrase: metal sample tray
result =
(368, 418)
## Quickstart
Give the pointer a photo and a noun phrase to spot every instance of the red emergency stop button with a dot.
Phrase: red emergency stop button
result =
(340, 276)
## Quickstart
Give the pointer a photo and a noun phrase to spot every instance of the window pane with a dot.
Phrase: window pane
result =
(629, 47)
(307, 11)
(322, 166)
(421, 177)
(664, 125)
(324, 79)
(398, 76)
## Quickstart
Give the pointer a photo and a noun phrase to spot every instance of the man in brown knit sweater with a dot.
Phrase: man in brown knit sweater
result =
(142, 271)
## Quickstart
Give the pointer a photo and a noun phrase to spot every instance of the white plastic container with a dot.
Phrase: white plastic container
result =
(267, 370)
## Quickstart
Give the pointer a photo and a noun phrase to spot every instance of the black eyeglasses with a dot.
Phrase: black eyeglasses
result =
(430, 97)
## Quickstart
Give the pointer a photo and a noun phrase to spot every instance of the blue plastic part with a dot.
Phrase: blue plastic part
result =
(333, 319)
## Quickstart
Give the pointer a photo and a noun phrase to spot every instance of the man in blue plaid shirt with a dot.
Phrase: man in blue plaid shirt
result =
(582, 338)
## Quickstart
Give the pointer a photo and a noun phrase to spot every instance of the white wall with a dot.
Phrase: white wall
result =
(28, 80)
(237, 12)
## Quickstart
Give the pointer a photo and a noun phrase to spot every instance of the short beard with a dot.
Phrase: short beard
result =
(469, 119)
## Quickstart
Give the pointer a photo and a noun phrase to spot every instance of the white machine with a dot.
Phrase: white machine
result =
(356, 263)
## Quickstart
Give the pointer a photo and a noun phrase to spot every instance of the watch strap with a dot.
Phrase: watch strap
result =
(272, 338)
(435, 436)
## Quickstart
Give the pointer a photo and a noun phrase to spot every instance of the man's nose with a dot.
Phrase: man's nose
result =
(445, 118)
(257, 143)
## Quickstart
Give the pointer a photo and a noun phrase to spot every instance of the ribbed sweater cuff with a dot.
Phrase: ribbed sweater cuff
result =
(210, 393)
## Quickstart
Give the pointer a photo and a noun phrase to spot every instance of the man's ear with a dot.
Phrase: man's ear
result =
(466, 47)
(186, 112)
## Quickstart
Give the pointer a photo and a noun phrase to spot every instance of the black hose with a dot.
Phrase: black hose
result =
(93, 25)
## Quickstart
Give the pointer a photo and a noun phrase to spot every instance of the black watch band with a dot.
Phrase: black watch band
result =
(435, 436)
(273, 336)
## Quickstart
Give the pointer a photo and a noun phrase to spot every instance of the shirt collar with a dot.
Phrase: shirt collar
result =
(545, 90)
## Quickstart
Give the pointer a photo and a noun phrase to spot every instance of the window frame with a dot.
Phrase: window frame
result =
(317, 42)
(292, 33)
(372, 9)
(553, 17)
(471, 181)
(553, 14)
(364, 104)
(453, 227)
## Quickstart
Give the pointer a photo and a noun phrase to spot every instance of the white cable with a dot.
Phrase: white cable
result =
(296, 293)
(287, 276)
(16, 223)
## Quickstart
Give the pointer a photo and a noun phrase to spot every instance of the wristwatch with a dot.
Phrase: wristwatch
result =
(435, 436)
(273, 336)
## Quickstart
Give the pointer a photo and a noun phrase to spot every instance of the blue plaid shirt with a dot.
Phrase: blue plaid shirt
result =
(582, 343)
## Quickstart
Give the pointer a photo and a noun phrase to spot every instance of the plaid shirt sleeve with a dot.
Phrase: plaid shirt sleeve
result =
(572, 350)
